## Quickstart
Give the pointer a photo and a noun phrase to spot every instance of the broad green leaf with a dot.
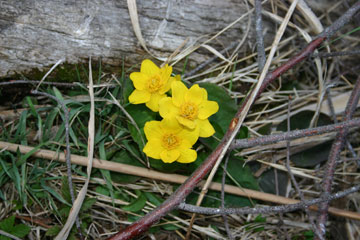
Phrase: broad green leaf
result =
(154, 199)
(137, 204)
(267, 182)
(312, 156)
(7, 224)
(20, 230)
(141, 114)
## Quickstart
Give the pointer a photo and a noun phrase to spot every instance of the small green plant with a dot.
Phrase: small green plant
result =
(19, 230)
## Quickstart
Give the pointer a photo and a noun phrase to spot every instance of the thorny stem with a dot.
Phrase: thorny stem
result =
(334, 156)
(186, 188)
(266, 210)
(67, 152)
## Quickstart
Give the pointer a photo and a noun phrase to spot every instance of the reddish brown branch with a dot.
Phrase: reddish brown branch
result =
(335, 155)
(186, 188)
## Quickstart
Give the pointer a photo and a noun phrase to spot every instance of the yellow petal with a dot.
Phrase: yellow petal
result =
(186, 122)
(178, 93)
(153, 103)
(153, 130)
(171, 125)
(139, 96)
(167, 108)
(166, 72)
(207, 108)
(149, 68)
(187, 156)
(153, 149)
(195, 94)
(206, 129)
(189, 137)
(139, 79)
(169, 156)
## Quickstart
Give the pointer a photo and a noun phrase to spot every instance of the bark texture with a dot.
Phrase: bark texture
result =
(37, 33)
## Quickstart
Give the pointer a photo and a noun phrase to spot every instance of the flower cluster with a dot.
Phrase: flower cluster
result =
(185, 114)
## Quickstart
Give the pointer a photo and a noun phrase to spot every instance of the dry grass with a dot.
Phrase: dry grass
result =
(306, 83)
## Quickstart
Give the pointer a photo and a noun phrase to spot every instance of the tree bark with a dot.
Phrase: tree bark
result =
(38, 33)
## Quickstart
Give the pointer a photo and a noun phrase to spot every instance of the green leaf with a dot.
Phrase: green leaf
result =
(88, 203)
(102, 190)
(170, 227)
(7, 224)
(53, 231)
(267, 182)
(141, 114)
(312, 156)
(154, 199)
(20, 230)
(137, 204)
(124, 157)
(227, 105)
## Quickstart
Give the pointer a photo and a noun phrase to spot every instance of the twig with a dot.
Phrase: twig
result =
(292, 177)
(335, 155)
(266, 210)
(179, 195)
(6, 234)
(67, 141)
(259, 35)
(59, 84)
(223, 197)
(336, 54)
(270, 139)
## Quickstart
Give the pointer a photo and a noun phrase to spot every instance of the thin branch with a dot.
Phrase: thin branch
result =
(292, 177)
(267, 210)
(334, 156)
(286, 136)
(226, 223)
(67, 141)
(336, 54)
(186, 188)
(33, 82)
(259, 35)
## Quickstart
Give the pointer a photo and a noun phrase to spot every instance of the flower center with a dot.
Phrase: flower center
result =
(170, 141)
(189, 111)
(154, 83)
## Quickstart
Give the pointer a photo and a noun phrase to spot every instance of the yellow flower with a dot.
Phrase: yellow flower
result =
(169, 141)
(151, 84)
(190, 107)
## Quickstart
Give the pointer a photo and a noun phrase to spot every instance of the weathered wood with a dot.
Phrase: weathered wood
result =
(37, 33)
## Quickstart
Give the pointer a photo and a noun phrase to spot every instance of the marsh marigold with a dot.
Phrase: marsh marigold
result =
(151, 84)
(169, 141)
(190, 107)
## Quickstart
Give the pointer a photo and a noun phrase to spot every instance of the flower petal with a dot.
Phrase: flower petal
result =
(195, 94)
(178, 93)
(149, 68)
(153, 149)
(189, 136)
(139, 96)
(153, 130)
(167, 108)
(206, 129)
(139, 79)
(186, 122)
(169, 156)
(207, 108)
(187, 156)
(153, 103)
(171, 125)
